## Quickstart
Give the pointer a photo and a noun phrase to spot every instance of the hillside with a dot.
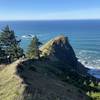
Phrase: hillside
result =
(10, 83)
(30, 85)
(60, 49)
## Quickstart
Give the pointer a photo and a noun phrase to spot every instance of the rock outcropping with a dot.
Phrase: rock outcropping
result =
(59, 48)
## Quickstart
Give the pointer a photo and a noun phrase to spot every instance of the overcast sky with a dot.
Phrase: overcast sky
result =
(49, 9)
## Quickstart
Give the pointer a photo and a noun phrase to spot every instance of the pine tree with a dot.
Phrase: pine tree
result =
(3, 55)
(33, 49)
(0, 55)
(10, 44)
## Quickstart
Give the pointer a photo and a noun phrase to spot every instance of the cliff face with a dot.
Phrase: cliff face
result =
(60, 49)
(63, 51)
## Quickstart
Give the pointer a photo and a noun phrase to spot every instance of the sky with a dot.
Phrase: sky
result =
(49, 9)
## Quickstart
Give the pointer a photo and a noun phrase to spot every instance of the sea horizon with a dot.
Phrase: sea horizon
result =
(5, 20)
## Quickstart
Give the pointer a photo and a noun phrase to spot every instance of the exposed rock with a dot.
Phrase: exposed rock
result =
(59, 48)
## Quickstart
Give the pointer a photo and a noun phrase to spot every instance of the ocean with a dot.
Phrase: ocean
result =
(84, 36)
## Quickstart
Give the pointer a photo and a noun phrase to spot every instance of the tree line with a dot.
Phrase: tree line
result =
(10, 49)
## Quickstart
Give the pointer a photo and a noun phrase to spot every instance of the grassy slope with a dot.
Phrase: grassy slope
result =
(42, 87)
(46, 47)
(95, 96)
(10, 83)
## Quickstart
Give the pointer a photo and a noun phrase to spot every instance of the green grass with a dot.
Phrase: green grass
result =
(10, 83)
(95, 96)
(11, 87)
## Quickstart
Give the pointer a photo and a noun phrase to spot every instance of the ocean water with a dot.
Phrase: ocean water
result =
(84, 36)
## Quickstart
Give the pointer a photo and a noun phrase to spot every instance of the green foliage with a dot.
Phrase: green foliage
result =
(33, 49)
(2, 55)
(89, 84)
(10, 44)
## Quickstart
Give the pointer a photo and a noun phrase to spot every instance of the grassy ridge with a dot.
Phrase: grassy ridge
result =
(10, 83)
(30, 84)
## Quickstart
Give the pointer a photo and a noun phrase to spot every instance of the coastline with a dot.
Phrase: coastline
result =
(94, 71)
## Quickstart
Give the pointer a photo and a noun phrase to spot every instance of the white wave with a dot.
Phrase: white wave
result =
(93, 70)
(24, 36)
(88, 63)
(27, 36)
(98, 60)
(87, 51)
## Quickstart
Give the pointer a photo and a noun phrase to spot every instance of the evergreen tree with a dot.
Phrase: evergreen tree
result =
(10, 44)
(2, 56)
(33, 49)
